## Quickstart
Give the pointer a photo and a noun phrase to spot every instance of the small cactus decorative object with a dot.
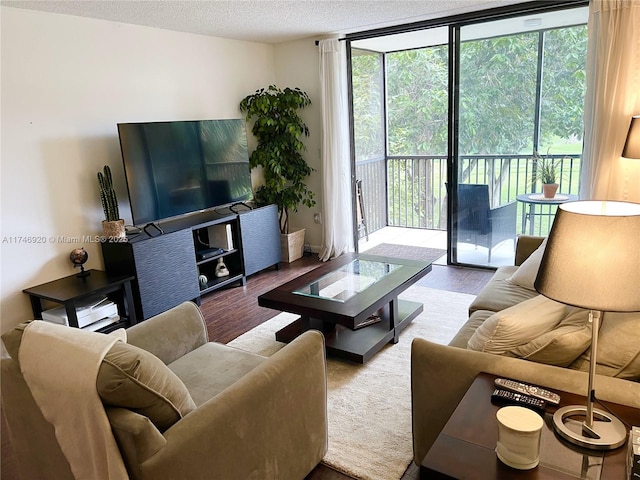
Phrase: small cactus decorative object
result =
(113, 225)
(108, 195)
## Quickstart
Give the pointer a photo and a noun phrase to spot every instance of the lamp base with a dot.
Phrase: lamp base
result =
(607, 432)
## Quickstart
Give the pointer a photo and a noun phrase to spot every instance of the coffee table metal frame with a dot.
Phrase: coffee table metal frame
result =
(345, 324)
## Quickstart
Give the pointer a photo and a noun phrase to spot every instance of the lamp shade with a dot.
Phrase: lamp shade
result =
(632, 145)
(592, 257)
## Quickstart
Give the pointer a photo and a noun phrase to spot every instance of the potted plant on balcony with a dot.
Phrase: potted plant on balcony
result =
(279, 131)
(112, 225)
(546, 170)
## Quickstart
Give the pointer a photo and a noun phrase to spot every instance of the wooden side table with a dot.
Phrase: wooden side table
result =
(465, 449)
(72, 289)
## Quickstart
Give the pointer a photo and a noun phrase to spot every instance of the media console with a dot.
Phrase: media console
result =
(169, 262)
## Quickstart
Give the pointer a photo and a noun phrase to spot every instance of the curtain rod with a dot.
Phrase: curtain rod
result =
(496, 13)
(317, 42)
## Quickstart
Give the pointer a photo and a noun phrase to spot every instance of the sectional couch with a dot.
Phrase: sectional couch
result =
(508, 317)
(553, 353)
(442, 374)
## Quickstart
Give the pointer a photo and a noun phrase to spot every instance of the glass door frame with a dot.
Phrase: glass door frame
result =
(454, 23)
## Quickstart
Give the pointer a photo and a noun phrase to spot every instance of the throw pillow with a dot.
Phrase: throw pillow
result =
(618, 347)
(130, 377)
(526, 273)
(562, 345)
(517, 325)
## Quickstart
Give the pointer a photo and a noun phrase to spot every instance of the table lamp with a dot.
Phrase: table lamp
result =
(592, 261)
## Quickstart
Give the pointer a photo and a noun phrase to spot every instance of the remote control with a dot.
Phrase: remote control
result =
(505, 397)
(525, 389)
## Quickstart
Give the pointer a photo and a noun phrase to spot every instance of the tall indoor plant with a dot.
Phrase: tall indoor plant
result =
(279, 131)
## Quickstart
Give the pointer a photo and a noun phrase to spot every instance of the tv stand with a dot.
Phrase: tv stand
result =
(169, 266)
(214, 241)
(233, 207)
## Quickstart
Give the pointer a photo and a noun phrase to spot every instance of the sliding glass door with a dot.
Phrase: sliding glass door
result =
(400, 131)
(369, 138)
(449, 122)
(521, 93)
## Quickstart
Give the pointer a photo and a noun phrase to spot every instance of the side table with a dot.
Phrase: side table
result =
(69, 290)
(466, 445)
(533, 200)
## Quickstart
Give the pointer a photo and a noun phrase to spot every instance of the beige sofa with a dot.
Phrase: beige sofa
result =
(499, 293)
(441, 375)
(216, 411)
(509, 318)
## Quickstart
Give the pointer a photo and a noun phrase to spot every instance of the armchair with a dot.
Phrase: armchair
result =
(251, 417)
(480, 224)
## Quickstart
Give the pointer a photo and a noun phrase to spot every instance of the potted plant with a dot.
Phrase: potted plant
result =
(112, 225)
(279, 131)
(546, 170)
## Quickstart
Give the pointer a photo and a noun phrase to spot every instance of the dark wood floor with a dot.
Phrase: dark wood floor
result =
(242, 313)
(234, 311)
(247, 314)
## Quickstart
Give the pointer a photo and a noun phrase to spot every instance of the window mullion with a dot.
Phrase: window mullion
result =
(538, 106)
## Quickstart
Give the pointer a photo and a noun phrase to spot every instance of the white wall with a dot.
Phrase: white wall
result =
(66, 82)
(297, 65)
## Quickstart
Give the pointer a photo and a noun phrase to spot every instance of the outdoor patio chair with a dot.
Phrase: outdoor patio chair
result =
(360, 216)
(478, 223)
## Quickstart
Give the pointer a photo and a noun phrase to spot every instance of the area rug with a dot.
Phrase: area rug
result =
(369, 406)
(407, 251)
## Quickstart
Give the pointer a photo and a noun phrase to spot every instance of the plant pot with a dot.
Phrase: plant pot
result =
(292, 245)
(549, 190)
(113, 229)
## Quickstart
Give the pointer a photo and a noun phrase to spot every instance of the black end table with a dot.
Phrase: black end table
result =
(69, 290)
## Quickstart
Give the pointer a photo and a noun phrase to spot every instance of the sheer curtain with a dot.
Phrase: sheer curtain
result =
(613, 96)
(337, 229)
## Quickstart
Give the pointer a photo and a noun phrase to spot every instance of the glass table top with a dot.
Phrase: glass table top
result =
(347, 281)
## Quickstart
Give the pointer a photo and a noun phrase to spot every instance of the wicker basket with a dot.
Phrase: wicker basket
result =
(292, 245)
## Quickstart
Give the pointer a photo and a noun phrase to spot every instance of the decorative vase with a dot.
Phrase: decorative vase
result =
(221, 269)
(292, 245)
(549, 190)
(113, 229)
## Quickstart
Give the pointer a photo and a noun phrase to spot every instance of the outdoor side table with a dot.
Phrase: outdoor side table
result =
(532, 200)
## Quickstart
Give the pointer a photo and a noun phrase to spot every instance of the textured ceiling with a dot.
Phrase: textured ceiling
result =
(265, 21)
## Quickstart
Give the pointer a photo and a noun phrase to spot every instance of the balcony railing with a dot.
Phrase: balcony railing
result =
(410, 191)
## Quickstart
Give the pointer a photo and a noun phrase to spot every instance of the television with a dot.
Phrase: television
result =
(177, 168)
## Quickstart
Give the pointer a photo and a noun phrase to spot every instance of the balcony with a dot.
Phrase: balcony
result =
(410, 193)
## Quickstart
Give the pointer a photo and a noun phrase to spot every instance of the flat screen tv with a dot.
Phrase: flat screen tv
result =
(177, 168)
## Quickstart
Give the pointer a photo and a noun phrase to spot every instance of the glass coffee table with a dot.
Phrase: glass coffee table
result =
(353, 300)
